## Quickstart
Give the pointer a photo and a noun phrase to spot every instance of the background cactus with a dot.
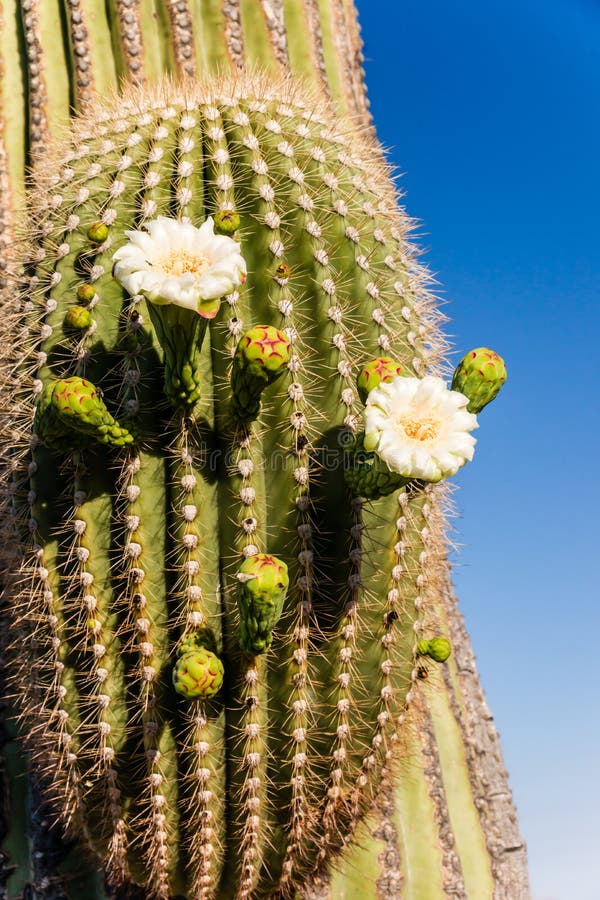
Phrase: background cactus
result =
(463, 812)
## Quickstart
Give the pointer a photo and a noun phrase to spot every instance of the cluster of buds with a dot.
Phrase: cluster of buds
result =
(418, 429)
(438, 649)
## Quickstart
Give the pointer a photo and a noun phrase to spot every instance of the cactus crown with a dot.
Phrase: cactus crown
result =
(138, 508)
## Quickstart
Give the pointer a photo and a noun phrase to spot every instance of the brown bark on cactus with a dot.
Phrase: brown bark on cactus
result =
(54, 56)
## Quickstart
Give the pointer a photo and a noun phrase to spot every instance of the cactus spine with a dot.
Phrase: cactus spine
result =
(121, 631)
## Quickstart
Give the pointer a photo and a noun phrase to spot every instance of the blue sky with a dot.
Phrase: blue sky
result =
(492, 111)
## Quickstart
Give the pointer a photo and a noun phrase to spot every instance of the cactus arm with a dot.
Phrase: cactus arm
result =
(488, 777)
(139, 40)
(13, 126)
(56, 66)
(290, 745)
(260, 51)
(208, 28)
(464, 818)
(92, 40)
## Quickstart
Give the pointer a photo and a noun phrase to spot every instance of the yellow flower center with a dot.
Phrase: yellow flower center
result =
(420, 428)
(180, 262)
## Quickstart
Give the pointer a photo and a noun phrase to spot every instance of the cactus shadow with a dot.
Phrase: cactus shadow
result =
(334, 519)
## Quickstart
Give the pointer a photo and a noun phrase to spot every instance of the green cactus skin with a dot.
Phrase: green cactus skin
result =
(262, 589)
(479, 376)
(438, 649)
(449, 823)
(374, 372)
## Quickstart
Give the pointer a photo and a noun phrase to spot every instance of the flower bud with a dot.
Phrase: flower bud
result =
(438, 649)
(198, 673)
(71, 410)
(226, 221)
(262, 587)
(479, 376)
(86, 293)
(78, 318)
(383, 368)
(97, 233)
(261, 358)
(264, 352)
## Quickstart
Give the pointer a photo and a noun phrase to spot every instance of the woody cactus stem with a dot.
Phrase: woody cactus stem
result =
(134, 549)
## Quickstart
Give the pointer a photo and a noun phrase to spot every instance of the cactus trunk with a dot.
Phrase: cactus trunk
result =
(133, 529)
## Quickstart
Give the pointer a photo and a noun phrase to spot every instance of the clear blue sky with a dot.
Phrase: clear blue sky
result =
(492, 111)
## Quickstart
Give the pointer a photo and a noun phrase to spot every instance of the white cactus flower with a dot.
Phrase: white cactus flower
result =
(419, 428)
(174, 262)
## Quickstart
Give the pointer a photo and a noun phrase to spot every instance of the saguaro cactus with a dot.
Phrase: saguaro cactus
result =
(227, 639)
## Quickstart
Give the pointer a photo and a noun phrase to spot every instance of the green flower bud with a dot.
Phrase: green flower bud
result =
(261, 358)
(479, 376)
(86, 293)
(262, 587)
(97, 233)
(198, 673)
(264, 352)
(78, 318)
(383, 368)
(438, 649)
(226, 221)
(72, 408)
